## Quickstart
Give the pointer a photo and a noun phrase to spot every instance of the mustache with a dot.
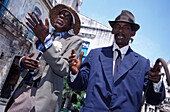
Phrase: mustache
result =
(119, 34)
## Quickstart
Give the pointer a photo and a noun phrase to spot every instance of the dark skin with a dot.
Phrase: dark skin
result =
(62, 23)
(28, 63)
(122, 34)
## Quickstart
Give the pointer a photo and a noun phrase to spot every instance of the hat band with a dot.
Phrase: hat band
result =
(124, 18)
(70, 13)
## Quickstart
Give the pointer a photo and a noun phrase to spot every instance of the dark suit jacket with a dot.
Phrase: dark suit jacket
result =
(124, 94)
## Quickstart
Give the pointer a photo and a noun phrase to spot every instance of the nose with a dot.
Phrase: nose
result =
(120, 29)
(62, 15)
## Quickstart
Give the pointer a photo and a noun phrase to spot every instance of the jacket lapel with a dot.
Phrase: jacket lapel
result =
(106, 58)
(64, 39)
(127, 63)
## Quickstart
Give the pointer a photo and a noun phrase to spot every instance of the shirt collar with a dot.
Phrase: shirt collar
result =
(61, 34)
(123, 50)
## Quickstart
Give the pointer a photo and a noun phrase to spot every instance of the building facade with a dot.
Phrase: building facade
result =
(17, 40)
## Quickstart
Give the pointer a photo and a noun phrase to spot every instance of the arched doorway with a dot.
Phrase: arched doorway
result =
(11, 79)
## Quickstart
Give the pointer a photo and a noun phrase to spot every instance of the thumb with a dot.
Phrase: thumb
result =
(72, 52)
(47, 23)
(31, 55)
(81, 55)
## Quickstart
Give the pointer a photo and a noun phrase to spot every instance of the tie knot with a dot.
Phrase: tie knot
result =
(119, 53)
(55, 36)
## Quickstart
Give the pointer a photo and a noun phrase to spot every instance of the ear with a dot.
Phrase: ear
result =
(72, 26)
(112, 31)
(133, 33)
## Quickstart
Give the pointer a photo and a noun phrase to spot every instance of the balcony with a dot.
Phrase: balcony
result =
(16, 27)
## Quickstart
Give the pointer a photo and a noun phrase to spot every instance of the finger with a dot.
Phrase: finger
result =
(151, 67)
(73, 70)
(30, 21)
(81, 55)
(154, 76)
(33, 61)
(38, 18)
(31, 55)
(32, 67)
(27, 64)
(159, 66)
(70, 60)
(29, 25)
(47, 23)
(155, 79)
(72, 52)
(33, 18)
(72, 56)
(71, 64)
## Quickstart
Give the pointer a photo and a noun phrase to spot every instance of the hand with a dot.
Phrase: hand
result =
(155, 76)
(41, 31)
(74, 63)
(28, 63)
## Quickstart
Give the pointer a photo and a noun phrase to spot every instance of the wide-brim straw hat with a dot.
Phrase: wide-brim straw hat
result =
(55, 10)
(125, 16)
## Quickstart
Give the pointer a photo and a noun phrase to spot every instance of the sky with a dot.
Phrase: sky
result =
(152, 40)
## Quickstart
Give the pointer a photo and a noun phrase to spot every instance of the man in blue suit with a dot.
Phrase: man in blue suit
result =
(114, 77)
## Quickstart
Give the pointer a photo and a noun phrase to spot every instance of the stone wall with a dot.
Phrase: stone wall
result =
(12, 43)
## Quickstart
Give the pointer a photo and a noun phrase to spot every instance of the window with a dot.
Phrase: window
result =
(84, 48)
(36, 9)
(4, 3)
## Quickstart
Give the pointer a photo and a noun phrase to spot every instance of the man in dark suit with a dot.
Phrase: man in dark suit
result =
(114, 77)
(44, 93)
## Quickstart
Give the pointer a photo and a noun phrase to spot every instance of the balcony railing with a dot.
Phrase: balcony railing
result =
(6, 15)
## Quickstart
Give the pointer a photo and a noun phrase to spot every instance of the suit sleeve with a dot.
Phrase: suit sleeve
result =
(152, 97)
(59, 61)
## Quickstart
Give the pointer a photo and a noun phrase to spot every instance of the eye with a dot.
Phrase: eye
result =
(126, 28)
(117, 26)
(59, 13)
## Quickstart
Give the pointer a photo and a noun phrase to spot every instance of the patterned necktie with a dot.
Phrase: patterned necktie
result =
(117, 62)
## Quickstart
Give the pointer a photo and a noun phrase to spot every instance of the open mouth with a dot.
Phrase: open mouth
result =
(120, 36)
(59, 21)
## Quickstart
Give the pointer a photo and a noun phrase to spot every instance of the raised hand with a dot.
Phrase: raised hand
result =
(41, 31)
(28, 63)
(74, 63)
(155, 76)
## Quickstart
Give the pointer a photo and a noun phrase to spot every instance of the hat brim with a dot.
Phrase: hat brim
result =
(135, 27)
(55, 10)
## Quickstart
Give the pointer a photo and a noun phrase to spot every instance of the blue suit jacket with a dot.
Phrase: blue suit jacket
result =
(122, 94)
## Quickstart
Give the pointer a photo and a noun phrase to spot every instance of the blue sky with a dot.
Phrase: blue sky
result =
(153, 39)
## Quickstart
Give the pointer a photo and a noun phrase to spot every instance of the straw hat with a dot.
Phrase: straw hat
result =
(125, 16)
(55, 10)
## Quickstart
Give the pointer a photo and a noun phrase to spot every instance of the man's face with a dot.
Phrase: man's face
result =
(63, 21)
(122, 33)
